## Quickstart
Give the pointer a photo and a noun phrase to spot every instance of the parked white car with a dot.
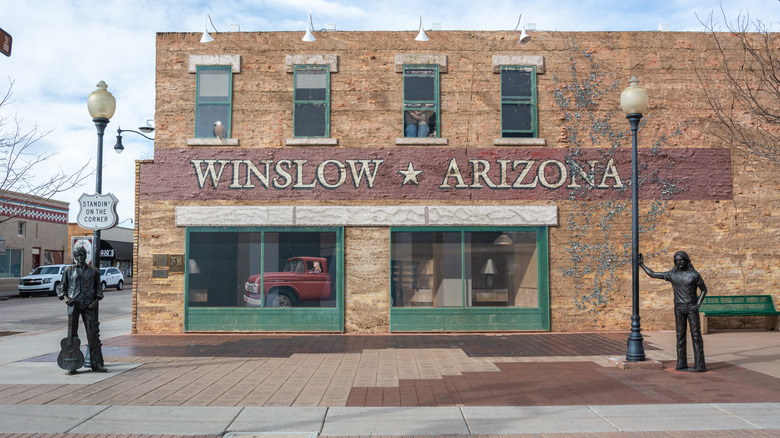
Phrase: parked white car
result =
(112, 277)
(44, 279)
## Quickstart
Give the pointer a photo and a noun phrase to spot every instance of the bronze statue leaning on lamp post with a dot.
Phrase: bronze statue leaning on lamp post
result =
(685, 280)
(80, 288)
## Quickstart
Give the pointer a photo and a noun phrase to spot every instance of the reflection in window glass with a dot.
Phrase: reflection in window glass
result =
(471, 268)
(256, 269)
(518, 101)
(214, 96)
(311, 101)
(11, 263)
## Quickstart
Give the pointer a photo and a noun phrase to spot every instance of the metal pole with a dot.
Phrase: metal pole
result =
(636, 351)
(100, 124)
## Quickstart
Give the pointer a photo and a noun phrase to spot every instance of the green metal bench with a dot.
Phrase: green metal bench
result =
(739, 305)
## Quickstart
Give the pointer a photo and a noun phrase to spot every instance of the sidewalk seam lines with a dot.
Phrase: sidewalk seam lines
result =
(465, 420)
(605, 419)
(735, 416)
(88, 418)
(227, 428)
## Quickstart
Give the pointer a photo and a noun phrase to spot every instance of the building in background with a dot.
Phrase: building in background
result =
(116, 246)
(466, 183)
(33, 232)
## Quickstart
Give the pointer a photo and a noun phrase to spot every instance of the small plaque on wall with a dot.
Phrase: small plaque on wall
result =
(176, 264)
(159, 273)
(159, 259)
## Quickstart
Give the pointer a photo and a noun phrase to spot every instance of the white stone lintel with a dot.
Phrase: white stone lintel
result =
(232, 60)
(368, 216)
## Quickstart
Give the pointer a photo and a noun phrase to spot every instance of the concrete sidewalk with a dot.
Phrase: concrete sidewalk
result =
(389, 385)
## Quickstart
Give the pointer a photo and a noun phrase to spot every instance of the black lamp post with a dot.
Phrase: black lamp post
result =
(633, 101)
(101, 105)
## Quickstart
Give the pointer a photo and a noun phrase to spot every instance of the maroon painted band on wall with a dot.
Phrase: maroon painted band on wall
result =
(477, 174)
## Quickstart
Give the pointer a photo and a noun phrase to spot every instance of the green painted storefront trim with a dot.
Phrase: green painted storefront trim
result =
(300, 319)
(465, 318)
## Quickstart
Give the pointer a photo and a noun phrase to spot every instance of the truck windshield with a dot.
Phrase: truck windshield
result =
(294, 266)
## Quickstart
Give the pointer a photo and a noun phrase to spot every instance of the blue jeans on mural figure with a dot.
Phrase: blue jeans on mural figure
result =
(411, 130)
(423, 130)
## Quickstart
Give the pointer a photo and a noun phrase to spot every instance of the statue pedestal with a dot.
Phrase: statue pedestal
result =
(647, 364)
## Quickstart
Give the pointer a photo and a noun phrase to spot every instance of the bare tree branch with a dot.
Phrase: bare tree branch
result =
(743, 91)
(19, 163)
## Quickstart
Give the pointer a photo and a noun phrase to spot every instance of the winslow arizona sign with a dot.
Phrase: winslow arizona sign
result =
(433, 173)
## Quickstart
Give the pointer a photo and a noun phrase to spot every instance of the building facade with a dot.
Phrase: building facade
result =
(370, 183)
(116, 246)
(34, 231)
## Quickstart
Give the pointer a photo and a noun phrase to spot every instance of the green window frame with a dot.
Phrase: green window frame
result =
(518, 101)
(257, 250)
(459, 298)
(213, 99)
(421, 94)
(311, 101)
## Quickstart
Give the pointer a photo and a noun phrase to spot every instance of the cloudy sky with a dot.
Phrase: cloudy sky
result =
(62, 48)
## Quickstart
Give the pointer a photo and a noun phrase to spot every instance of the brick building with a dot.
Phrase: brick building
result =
(34, 231)
(463, 183)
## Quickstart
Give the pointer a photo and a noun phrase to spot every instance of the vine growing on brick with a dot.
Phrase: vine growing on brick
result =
(598, 251)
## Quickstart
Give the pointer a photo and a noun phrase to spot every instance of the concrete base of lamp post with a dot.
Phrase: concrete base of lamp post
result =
(647, 364)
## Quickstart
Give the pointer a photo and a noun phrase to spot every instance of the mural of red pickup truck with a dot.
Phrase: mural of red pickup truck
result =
(302, 279)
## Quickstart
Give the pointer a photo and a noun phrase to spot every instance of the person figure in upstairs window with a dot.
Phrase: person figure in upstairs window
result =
(685, 280)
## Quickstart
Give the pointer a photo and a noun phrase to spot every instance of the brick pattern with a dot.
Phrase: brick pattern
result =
(377, 370)
(732, 242)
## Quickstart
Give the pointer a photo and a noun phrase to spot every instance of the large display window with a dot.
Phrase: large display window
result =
(469, 279)
(264, 279)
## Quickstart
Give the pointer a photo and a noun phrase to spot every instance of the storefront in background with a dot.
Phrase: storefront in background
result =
(364, 183)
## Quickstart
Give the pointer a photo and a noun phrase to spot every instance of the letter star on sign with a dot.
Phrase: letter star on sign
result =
(410, 175)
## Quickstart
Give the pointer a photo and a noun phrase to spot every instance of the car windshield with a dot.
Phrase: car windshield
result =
(294, 266)
(46, 270)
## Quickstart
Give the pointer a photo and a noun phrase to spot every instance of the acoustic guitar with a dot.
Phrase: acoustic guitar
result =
(70, 358)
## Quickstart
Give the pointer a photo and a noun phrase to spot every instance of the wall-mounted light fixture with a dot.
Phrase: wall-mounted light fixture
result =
(524, 37)
(206, 38)
(421, 36)
(119, 148)
(309, 28)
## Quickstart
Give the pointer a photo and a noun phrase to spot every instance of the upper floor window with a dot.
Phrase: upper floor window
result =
(21, 229)
(518, 101)
(214, 101)
(421, 101)
(311, 109)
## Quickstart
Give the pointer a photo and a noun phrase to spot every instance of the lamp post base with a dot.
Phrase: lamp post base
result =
(623, 364)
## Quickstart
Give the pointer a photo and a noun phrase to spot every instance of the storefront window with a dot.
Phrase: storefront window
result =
(11, 263)
(262, 269)
(465, 269)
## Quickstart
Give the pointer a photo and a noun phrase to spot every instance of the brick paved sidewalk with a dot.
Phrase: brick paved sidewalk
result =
(389, 370)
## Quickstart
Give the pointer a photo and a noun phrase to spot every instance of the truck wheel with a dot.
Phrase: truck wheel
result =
(285, 299)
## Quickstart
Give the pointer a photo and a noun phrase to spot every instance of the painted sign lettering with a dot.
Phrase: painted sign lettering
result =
(416, 173)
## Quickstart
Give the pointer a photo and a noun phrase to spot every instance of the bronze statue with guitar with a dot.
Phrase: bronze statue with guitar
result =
(80, 288)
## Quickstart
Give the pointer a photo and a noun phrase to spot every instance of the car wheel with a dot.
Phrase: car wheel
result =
(284, 299)
(103, 286)
(120, 285)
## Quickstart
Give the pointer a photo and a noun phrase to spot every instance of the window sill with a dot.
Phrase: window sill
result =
(212, 142)
(312, 141)
(429, 141)
(519, 142)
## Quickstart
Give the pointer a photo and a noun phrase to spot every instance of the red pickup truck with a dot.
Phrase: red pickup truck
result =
(302, 279)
